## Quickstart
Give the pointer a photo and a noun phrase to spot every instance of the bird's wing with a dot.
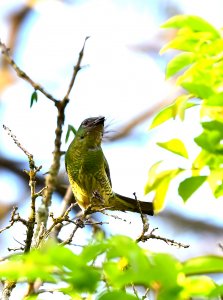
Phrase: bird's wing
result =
(107, 171)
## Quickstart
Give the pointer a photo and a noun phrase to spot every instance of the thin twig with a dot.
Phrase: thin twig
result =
(51, 179)
(22, 74)
(135, 291)
(15, 140)
(76, 69)
(220, 246)
(70, 238)
(58, 220)
(146, 294)
(9, 256)
(145, 223)
(30, 223)
(65, 204)
(13, 219)
(168, 241)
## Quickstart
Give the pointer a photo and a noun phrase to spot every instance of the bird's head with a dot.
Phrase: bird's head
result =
(91, 131)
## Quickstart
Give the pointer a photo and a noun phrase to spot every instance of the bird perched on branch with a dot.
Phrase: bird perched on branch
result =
(89, 175)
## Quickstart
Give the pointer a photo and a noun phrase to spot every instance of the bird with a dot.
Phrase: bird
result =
(89, 174)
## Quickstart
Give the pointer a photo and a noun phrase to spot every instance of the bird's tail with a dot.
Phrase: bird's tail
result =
(129, 204)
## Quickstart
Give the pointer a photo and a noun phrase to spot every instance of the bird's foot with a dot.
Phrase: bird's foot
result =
(79, 222)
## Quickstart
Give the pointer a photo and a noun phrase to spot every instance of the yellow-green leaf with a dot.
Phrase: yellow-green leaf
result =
(179, 62)
(165, 114)
(177, 108)
(176, 146)
(198, 285)
(202, 159)
(152, 176)
(181, 104)
(69, 130)
(195, 23)
(160, 195)
(159, 183)
(203, 265)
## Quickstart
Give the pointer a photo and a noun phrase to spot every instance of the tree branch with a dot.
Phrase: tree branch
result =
(51, 179)
(30, 223)
(23, 75)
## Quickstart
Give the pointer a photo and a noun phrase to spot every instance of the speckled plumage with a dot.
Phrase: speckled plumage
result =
(89, 175)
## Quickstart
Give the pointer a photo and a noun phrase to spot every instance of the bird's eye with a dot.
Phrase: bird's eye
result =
(81, 137)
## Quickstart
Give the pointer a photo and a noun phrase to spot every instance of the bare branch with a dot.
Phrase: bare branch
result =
(51, 179)
(30, 223)
(23, 75)
(65, 204)
(145, 223)
(13, 219)
(70, 238)
(15, 140)
(76, 69)
(168, 241)
(64, 217)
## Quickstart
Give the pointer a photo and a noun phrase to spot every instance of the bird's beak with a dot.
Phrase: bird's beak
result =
(99, 120)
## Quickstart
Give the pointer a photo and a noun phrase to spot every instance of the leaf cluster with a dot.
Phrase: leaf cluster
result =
(110, 268)
(198, 68)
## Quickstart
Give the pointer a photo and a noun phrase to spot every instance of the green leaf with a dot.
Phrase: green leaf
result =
(190, 185)
(198, 286)
(159, 183)
(217, 292)
(210, 141)
(201, 160)
(160, 194)
(203, 265)
(166, 283)
(214, 99)
(81, 276)
(181, 104)
(195, 23)
(165, 114)
(92, 251)
(179, 62)
(152, 174)
(211, 112)
(46, 264)
(176, 146)
(187, 43)
(118, 295)
(213, 125)
(215, 180)
(178, 108)
(34, 98)
(164, 261)
(21, 268)
(193, 86)
(69, 130)
(131, 267)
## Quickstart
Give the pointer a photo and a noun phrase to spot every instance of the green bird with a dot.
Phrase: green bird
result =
(89, 174)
